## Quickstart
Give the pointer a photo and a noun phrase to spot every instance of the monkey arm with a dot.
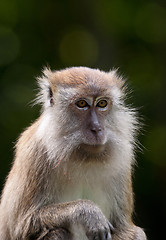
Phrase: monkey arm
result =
(64, 216)
(132, 232)
(121, 219)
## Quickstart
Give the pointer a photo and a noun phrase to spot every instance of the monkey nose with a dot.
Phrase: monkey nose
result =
(95, 129)
(97, 135)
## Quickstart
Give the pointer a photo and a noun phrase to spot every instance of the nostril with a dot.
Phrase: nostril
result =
(93, 130)
(96, 129)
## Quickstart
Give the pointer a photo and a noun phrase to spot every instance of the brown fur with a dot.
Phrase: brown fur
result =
(58, 189)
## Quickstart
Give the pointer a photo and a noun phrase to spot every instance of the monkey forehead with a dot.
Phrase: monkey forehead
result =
(84, 77)
(75, 93)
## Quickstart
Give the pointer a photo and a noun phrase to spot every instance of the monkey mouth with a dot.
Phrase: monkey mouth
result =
(96, 148)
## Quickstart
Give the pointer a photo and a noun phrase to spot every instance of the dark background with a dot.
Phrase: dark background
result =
(128, 34)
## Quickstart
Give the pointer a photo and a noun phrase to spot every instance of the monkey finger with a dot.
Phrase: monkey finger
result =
(112, 229)
(108, 237)
(105, 235)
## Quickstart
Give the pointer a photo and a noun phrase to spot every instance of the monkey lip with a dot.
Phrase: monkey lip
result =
(96, 148)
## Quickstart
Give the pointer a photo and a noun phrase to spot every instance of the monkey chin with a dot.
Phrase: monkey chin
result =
(93, 149)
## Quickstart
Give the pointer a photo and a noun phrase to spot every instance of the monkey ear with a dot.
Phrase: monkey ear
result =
(46, 88)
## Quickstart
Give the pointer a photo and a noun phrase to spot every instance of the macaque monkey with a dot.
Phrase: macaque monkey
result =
(71, 177)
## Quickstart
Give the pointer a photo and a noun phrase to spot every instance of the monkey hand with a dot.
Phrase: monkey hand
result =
(95, 223)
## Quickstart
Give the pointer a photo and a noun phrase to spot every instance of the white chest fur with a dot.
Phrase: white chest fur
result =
(90, 183)
(94, 193)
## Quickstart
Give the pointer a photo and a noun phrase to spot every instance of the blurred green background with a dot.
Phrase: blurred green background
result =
(127, 34)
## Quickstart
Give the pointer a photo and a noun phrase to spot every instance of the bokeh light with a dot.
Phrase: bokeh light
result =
(9, 46)
(150, 23)
(78, 47)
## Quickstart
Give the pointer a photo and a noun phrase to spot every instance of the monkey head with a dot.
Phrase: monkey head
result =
(89, 104)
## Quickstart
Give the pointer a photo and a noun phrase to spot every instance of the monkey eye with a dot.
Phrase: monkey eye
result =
(102, 104)
(82, 104)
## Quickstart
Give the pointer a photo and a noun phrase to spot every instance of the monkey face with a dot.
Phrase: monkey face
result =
(90, 112)
(86, 113)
